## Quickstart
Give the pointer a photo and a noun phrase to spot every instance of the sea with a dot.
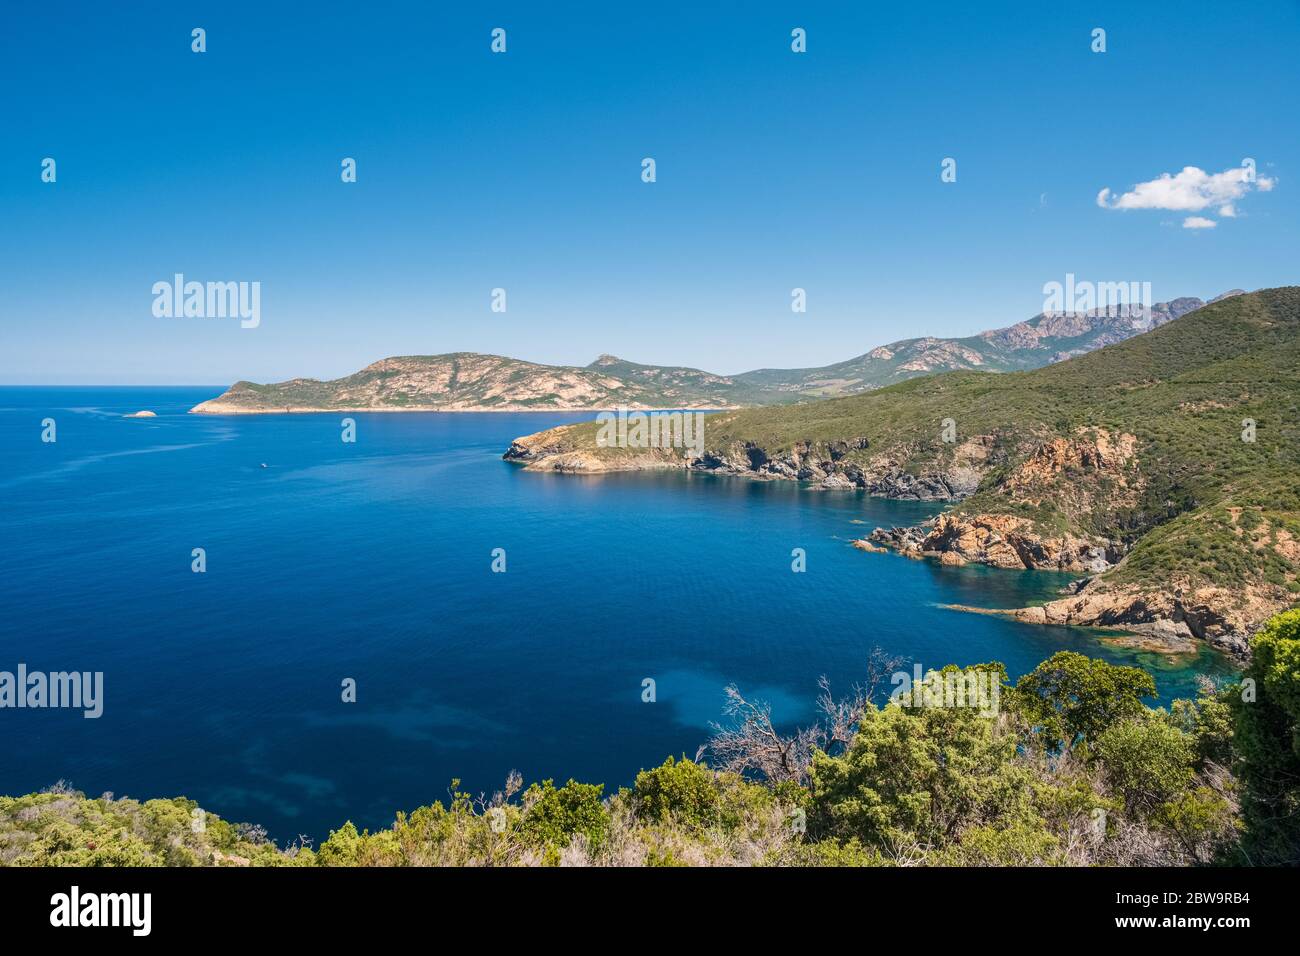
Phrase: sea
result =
(297, 630)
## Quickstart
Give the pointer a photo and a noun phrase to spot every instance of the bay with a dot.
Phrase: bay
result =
(372, 561)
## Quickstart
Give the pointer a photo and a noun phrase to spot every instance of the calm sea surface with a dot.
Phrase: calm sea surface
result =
(372, 561)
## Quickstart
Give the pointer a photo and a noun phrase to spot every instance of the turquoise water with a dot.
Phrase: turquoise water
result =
(372, 561)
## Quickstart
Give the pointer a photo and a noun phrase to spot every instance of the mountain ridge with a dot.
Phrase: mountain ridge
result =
(473, 381)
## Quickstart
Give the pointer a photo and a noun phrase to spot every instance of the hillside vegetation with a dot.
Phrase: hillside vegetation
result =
(1166, 465)
(1070, 769)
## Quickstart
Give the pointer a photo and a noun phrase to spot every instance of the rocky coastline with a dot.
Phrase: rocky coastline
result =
(1168, 620)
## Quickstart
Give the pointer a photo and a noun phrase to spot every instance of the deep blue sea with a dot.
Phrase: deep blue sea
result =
(372, 561)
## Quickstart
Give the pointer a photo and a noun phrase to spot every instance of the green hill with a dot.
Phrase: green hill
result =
(1137, 463)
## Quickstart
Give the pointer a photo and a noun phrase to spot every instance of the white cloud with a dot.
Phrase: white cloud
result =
(1191, 190)
(1228, 212)
(1198, 222)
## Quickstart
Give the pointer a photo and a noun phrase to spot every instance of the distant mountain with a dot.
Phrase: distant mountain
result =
(469, 381)
(1026, 345)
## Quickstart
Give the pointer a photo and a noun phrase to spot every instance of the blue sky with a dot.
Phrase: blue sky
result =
(775, 170)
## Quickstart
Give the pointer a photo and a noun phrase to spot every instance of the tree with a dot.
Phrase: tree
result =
(1070, 697)
(1147, 761)
(915, 778)
(552, 817)
(1266, 713)
(678, 791)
